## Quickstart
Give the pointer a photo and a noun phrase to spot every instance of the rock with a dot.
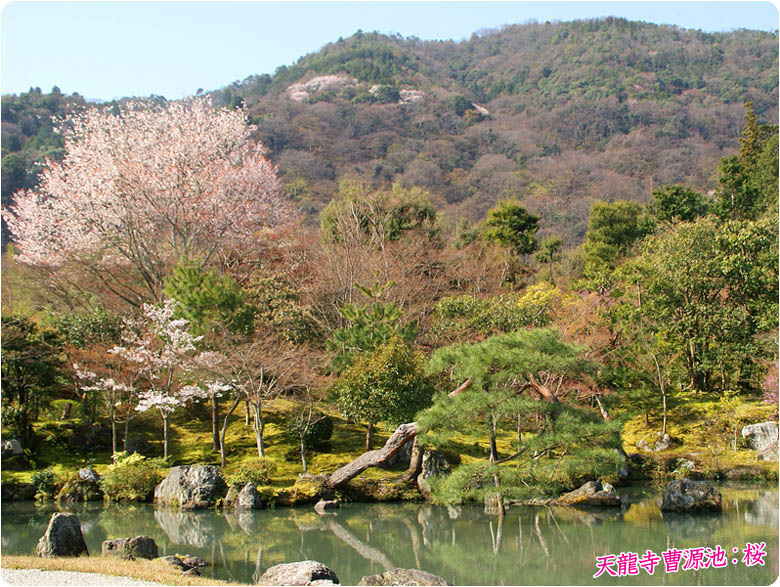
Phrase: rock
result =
(433, 465)
(62, 537)
(403, 577)
(187, 564)
(662, 443)
(690, 496)
(763, 438)
(131, 548)
(326, 504)
(301, 573)
(231, 497)
(9, 448)
(623, 471)
(75, 490)
(190, 487)
(89, 474)
(401, 459)
(592, 493)
(248, 498)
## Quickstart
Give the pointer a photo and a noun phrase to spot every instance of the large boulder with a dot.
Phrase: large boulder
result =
(403, 577)
(131, 548)
(301, 573)
(690, 496)
(89, 474)
(62, 537)
(763, 438)
(592, 493)
(191, 487)
(248, 498)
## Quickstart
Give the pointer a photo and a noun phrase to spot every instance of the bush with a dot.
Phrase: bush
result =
(257, 472)
(131, 477)
(46, 484)
(318, 434)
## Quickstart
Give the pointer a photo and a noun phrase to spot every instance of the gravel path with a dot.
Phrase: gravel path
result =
(36, 577)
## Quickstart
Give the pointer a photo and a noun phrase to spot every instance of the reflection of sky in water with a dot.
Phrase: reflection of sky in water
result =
(554, 546)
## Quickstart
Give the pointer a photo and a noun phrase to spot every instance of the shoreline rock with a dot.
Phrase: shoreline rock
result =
(63, 537)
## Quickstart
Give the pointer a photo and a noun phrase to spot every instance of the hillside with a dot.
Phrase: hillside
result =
(573, 113)
(558, 115)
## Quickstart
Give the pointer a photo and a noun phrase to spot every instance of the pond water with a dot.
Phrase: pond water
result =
(527, 546)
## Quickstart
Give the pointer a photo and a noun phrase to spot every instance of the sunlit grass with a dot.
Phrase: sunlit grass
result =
(156, 571)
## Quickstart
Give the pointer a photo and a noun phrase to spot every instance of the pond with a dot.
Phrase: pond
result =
(527, 546)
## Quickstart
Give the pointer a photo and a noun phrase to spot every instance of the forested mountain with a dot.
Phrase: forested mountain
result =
(574, 113)
(557, 115)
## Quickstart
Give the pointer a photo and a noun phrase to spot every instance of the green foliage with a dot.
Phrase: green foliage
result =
(210, 301)
(506, 358)
(131, 477)
(257, 472)
(370, 326)
(316, 433)
(712, 291)
(737, 198)
(277, 308)
(512, 227)
(613, 228)
(377, 216)
(31, 373)
(84, 329)
(46, 484)
(676, 203)
(468, 315)
(460, 105)
(387, 385)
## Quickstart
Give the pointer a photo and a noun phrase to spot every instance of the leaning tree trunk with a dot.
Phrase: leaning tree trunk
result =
(222, 450)
(403, 434)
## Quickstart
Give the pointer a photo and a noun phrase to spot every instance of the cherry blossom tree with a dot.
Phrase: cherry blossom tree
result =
(145, 188)
(164, 353)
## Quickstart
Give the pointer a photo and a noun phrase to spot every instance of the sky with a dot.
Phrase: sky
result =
(105, 50)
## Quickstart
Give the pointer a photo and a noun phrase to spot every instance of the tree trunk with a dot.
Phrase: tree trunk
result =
(493, 447)
(259, 426)
(222, 450)
(127, 435)
(369, 435)
(303, 452)
(215, 422)
(403, 434)
(165, 436)
(114, 434)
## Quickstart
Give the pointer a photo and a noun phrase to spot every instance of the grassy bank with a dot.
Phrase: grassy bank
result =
(144, 570)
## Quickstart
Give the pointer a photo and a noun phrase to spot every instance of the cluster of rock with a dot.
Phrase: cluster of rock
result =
(315, 573)
(662, 443)
(690, 496)
(63, 537)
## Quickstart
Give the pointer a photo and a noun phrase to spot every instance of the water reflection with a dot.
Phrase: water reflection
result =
(549, 545)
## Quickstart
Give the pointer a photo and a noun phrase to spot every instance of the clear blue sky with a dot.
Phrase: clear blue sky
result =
(113, 49)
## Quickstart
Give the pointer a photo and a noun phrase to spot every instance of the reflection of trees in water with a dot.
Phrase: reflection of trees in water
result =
(529, 545)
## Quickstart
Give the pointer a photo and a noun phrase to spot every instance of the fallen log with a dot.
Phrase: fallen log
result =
(403, 434)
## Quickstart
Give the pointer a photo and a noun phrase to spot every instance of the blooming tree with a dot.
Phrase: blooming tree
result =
(146, 187)
(164, 353)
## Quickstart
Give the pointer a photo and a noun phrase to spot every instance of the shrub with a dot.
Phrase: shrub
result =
(131, 477)
(46, 484)
(257, 472)
(318, 434)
